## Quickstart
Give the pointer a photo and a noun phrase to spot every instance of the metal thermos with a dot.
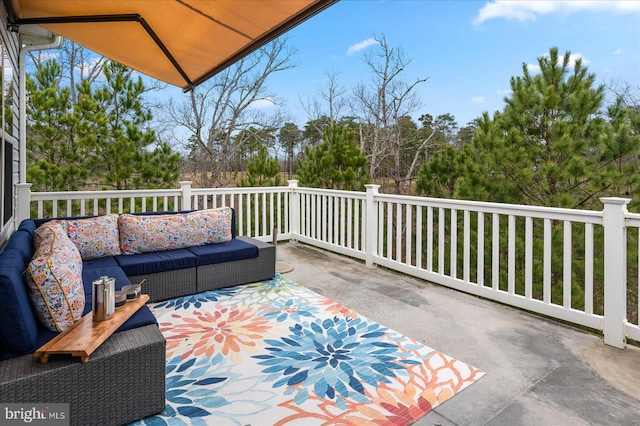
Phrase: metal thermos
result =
(103, 298)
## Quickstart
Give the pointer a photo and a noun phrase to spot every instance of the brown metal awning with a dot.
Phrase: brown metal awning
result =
(181, 42)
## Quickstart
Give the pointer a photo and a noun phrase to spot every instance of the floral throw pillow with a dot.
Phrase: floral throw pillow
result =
(209, 226)
(95, 237)
(54, 278)
(141, 234)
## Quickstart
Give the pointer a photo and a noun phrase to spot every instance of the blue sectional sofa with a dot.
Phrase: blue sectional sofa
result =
(124, 380)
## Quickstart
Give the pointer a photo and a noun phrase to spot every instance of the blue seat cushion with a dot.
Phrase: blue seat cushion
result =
(224, 252)
(18, 323)
(101, 262)
(152, 263)
(27, 225)
(22, 242)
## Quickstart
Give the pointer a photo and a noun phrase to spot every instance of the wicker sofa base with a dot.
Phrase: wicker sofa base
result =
(123, 381)
(168, 284)
(181, 282)
(218, 275)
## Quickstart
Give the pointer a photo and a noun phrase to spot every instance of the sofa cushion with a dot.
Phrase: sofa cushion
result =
(151, 263)
(27, 225)
(22, 242)
(95, 237)
(208, 226)
(55, 278)
(42, 231)
(153, 233)
(224, 252)
(142, 234)
(18, 323)
(102, 262)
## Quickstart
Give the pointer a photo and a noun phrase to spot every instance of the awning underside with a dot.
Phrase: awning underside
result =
(181, 42)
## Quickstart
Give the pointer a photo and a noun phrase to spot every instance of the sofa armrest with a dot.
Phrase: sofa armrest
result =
(123, 381)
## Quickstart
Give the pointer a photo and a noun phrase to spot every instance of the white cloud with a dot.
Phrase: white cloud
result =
(533, 68)
(530, 10)
(355, 48)
(263, 103)
(618, 51)
(478, 99)
(504, 91)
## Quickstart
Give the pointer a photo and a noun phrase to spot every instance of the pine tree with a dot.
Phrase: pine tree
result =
(102, 140)
(58, 145)
(545, 147)
(336, 163)
(262, 170)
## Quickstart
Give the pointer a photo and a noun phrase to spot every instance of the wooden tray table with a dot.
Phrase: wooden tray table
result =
(85, 336)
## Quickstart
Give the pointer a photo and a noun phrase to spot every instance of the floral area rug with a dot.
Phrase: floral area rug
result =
(276, 353)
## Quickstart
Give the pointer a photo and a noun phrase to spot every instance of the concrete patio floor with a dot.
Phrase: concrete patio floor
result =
(539, 372)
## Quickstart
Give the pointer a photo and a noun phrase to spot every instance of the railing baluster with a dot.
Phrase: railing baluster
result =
(248, 214)
(466, 256)
(566, 267)
(480, 258)
(441, 238)
(528, 257)
(546, 260)
(349, 222)
(266, 229)
(495, 252)
(419, 237)
(430, 238)
(256, 212)
(398, 230)
(342, 221)
(511, 257)
(453, 261)
(389, 231)
(408, 234)
(588, 268)
(356, 226)
(380, 229)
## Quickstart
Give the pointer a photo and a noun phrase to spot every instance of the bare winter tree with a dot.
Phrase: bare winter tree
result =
(221, 115)
(381, 104)
(328, 106)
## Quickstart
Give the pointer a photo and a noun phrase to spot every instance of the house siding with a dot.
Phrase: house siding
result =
(10, 147)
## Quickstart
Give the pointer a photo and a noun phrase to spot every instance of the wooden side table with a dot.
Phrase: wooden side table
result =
(85, 336)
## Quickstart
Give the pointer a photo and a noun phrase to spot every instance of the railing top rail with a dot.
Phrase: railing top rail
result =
(586, 216)
(78, 195)
(237, 190)
(336, 192)
(632, 219)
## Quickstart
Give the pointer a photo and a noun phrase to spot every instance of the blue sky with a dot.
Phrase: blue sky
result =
(468, 49)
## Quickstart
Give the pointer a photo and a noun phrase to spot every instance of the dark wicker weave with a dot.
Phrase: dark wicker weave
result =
(263, 267)
(123, 381)
(168, 284)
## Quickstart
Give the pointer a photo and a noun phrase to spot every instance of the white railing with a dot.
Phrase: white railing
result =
(563, 263)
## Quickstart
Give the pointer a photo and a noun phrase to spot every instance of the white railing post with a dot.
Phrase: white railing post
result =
(23, 202)
(371, 225)
(294, 210)
(615, 270)
(185, 187)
